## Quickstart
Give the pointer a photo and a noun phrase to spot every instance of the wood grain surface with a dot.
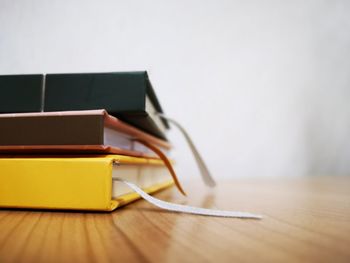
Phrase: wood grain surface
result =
(306, 220)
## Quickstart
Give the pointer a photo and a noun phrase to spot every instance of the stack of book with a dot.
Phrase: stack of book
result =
(64, 137)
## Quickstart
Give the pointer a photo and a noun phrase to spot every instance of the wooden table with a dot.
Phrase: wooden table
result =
(306, 220)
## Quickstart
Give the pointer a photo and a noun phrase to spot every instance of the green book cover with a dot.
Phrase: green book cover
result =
(21, 93)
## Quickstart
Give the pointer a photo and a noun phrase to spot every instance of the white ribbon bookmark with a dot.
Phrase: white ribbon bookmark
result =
(184, 208)
(206, 176)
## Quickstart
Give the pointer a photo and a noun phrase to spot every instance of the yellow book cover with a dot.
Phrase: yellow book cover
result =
(77, 183)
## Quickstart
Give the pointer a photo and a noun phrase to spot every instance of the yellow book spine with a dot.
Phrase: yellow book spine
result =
(56, 183)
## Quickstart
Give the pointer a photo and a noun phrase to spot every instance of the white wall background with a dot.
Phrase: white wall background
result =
(262, 86)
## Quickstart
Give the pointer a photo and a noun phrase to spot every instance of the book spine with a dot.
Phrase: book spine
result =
(51, 130)
(56, 183)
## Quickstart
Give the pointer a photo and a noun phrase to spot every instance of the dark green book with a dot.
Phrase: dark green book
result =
(126, 95)
(21, 93)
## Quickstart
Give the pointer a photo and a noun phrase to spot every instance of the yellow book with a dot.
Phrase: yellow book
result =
(78, 183)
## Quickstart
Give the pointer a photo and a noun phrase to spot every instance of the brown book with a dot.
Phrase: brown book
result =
(90, 131)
